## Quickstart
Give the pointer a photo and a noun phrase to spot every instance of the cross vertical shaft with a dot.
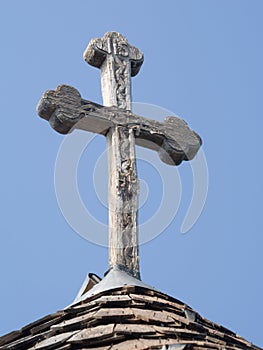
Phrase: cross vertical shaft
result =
(123, 188)
(123, 200)
(118, 61)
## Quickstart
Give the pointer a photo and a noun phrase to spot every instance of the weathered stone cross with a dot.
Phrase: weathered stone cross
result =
(66, 110)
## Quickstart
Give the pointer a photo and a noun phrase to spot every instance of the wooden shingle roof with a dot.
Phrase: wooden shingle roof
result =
(124, 317)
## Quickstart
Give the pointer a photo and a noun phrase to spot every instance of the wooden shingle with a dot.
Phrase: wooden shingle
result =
(113, 320)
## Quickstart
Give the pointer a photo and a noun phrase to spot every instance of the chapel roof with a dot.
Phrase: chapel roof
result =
(114, 315)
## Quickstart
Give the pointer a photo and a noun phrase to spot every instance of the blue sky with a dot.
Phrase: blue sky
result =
(203, 62)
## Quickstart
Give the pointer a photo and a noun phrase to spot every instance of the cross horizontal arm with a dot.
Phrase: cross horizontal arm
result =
(66, 110)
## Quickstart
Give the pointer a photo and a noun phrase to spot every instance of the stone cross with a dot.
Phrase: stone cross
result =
(172, 139)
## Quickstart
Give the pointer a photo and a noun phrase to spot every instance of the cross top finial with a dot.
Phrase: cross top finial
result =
(118, 62)
(113, 43)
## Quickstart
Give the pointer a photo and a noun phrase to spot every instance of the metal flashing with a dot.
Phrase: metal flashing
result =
(115, 278)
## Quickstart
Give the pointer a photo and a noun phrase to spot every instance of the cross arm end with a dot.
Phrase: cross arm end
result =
(61, 108)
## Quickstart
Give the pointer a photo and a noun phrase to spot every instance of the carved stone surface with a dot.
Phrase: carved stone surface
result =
(66, 110)
(118, 61)
(123, 197)
(98, 49)
(123, 186)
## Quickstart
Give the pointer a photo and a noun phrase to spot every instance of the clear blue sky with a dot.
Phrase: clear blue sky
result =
(203, 61)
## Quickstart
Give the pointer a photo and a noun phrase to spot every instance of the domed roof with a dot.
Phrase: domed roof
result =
(121, 313)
